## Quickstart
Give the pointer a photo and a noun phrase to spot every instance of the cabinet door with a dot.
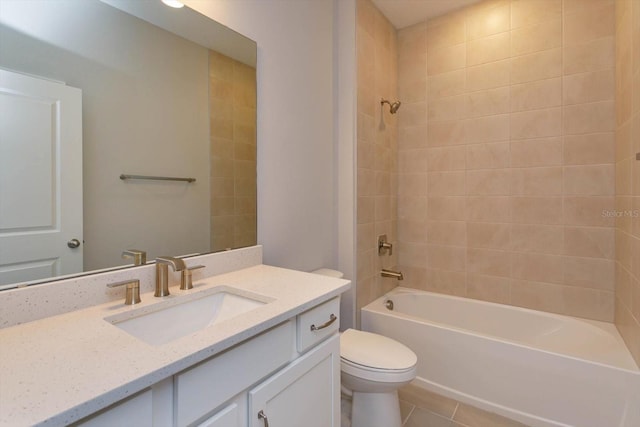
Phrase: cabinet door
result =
(152, 407)
(305, 393)
(233, 415)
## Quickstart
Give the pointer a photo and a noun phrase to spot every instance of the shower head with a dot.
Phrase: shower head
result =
(393, 108)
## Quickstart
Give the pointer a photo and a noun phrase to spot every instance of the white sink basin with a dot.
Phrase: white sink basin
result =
(169, 320)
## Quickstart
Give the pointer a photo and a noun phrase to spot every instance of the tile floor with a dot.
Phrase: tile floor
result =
(421, 408)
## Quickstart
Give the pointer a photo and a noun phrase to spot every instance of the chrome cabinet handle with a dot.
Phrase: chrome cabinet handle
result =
(332, 319)
(263, 416)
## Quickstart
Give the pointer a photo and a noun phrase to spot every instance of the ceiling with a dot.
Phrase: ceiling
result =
(403, 13)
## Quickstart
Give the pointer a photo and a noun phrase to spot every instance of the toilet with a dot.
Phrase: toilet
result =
(373, 368)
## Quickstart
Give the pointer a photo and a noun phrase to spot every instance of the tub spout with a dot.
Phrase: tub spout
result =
(390, 273)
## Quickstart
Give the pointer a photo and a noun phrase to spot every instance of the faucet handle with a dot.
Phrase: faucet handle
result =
(133, 290)
(176, 263)
(139, 257)
(383, 246)
(186, 281)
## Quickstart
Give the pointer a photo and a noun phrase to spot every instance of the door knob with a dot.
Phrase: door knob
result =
(73, 243)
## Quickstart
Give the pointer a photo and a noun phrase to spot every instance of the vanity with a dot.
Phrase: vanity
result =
(270, 357)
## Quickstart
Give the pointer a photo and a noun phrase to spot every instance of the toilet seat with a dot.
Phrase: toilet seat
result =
(375, 357)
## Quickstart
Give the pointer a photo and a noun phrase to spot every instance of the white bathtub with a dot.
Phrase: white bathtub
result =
(537, 368)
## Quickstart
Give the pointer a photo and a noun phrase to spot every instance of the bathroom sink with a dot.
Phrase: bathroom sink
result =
(169, 320)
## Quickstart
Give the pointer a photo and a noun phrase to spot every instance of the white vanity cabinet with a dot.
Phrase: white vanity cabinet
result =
(152, 407)
(305, 393)
(290, 374)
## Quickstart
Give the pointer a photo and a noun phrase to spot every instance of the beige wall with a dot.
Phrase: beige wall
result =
(627, 313)
(376, 150)
(232, 102)
(506, 154)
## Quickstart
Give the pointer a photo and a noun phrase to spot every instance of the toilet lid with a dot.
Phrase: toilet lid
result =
(375, 351)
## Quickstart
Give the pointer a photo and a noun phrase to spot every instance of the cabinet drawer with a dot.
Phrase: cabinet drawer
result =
(315, 325)
(201, 389)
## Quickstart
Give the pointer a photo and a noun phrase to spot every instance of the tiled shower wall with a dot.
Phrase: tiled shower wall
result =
(507, 155)
(377, 150)
(232, 109)
(627, 313)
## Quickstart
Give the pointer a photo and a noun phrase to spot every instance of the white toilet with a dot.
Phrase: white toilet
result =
(373, 368)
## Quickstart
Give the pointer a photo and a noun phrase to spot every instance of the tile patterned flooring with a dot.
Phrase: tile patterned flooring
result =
(421, 408)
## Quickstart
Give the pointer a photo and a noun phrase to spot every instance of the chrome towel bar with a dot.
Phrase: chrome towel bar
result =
(156, 178)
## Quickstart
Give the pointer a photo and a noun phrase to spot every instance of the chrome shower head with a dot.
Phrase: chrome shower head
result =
(393, 108)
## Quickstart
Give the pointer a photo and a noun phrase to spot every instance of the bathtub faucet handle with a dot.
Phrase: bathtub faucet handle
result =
(383, 245)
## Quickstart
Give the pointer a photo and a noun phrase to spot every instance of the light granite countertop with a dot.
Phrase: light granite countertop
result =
(59, 369)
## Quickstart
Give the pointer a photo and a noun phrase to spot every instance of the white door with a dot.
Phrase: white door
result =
(305, 393)
(40, 178)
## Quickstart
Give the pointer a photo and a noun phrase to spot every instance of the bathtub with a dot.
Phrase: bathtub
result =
(538, 368)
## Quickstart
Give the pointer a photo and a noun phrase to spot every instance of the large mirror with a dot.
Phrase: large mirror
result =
(100, 102)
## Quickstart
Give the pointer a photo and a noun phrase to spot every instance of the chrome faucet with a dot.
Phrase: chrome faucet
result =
(162, 273)
(390, 273)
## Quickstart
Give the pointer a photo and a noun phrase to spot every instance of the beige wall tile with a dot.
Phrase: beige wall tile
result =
(597, 148)
(528, 12)
(413, 114)
(537, 181)
(488, 49)
(593, 273)
(488, 76)
(413, 137)
(489, 262)
(536, 66)
(488, 235)
(490, 182)
(487, 20)
(488, 102)
(413, 254)
(488, 209)
(411, 231)
(449, 32)
(446, 208)
(538, 296)
(446, 158)
(449, 58)
(489, 288)
(589, 118)
(446, 183)
(595, 242)
(536, 152)
(592, 56)
(588, 211)
(450, 258)
(449, 108)
(446, 84)
(589, 22)
(546, 239)
(412, 160)
(445, 281)
(588, 87)
(445, 133)
(452, 233)
(488, 155)
(536, 124)
(487, 129)
(591, 180)
(536, 210)
(589, 303)
(536, 95)
(412, 40)
(537, 267)
(527, 39)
